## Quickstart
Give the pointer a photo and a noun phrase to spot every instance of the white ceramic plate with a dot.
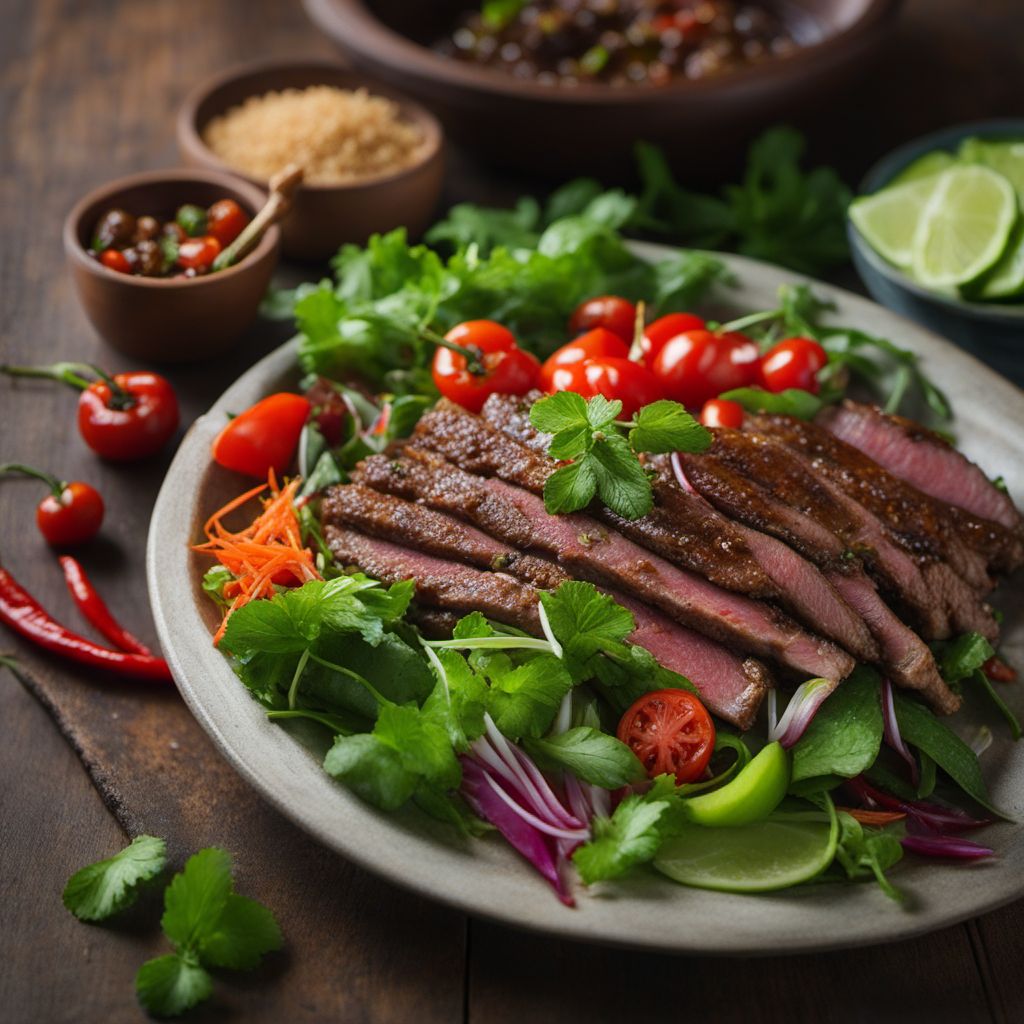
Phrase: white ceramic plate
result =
(487, 877)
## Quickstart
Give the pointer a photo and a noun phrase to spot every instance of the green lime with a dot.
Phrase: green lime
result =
(776, 853)
(888, 220)
(752, 795)
(1006, 158)
(1006, 279)
(924, 167)
(964, 227)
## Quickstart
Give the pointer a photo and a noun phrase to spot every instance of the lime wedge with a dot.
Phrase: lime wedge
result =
(1005, 158)
(1006, 279)
(925, 166)
(888, 220)
(779, 852)
(964, 227)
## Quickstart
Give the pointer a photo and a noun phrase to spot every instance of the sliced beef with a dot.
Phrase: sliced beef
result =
(450, 586)
(912, 518)
(383, 515)
(922, 458)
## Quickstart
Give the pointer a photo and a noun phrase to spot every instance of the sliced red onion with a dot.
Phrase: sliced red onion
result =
(932, 815)
(800, 711)
(578, 835)
(773, 710)
(891, 731)
(945, 846)
(549, 634)
(680, 473)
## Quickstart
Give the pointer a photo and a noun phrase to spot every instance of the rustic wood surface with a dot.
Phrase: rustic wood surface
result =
(88, 93)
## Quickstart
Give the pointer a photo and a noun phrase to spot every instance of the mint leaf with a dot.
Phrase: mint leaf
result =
(845, 736)
(603, 412)
(570, 488)
(666, 426)
(572, 442)
(622, 483)
(591, 755)
(802, 405)
(100, 890)
(631, 836)
(196, 897)
(244, 932)
(169, 985)
(564, 410)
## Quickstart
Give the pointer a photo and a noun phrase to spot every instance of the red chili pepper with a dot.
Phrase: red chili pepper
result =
(95, 610)
(20, 611)
(999, 671)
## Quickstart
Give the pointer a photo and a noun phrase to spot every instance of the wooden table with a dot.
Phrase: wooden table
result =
(89, 93)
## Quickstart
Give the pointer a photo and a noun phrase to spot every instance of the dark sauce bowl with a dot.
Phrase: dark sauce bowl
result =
(590, 128)
(163, 319)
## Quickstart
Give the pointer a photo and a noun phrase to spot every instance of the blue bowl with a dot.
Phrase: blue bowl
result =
(991, 331)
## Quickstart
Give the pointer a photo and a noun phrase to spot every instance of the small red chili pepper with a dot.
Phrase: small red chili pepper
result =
(21, 612)
(95, 610)
(998, 670)
(71, 513)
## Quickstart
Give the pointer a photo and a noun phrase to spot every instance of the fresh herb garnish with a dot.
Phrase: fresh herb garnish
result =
(591, 755)
(100, 890)
(964, 659)
(603, 460)
(866, 853)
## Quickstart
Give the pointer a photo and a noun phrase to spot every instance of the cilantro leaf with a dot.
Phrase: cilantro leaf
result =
(196, 897)
(244, 932)
(622, 483)
(666, 426)
(570, 488)
(962, 657)
(458, 700)
(631, 836)
(525, 700)
(586, 623)
(100, 890)
(169, 985)
(591, 755)
(863, 853)
(474, 624)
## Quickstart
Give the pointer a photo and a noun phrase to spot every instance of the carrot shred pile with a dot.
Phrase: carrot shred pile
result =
(267, 552)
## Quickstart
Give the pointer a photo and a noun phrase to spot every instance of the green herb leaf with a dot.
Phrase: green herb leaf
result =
(214, 580)
(962, 657)
(196, 897)
(570, 488)
(243, 933)
(631, 836)
(591, 755)
(100, 890)
(525, 700)
(587, 623)
(622, 483)
(564, 410)
(791, 402)
(666, 426)
(602, 412)
(169, 985)
(865, 853)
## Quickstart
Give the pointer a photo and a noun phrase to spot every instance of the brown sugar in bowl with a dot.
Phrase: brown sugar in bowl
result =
(324, 216)
(168, 320)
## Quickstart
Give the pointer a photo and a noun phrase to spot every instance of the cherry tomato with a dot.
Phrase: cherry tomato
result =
(114, 259)
(671, 733)
(329, 410)
(198, 253)
(698, 365)
(72, 518)
(793, 363)
(720, 412)
(661, 331)
(596, 344)
(132, 420)
(503, 367)
(264, 437)
(615, 314)
(225, 220)
(634, 385)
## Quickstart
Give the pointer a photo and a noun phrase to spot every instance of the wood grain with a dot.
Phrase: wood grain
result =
(88, 92)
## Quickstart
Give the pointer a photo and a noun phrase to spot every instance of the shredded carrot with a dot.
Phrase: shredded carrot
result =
(873, 817)
(267, 553)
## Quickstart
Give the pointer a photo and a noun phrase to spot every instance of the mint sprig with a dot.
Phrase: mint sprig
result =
(601, 450)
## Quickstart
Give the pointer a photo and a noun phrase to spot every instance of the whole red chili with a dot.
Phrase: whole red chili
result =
(71, 513)
(95, 610)
(125, 417)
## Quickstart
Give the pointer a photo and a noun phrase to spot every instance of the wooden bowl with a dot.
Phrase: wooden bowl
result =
(168, 320)
(324, 217)
(591, 128)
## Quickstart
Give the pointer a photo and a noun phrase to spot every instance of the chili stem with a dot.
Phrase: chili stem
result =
(56, 486)
(64, 373)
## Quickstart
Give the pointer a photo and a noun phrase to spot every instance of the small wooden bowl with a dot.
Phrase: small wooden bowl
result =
(324, 217)
(168, 320)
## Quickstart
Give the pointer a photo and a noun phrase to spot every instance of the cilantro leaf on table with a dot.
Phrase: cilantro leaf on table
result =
(169, 985)
(591, 755)
(100, 890)
(631, 836)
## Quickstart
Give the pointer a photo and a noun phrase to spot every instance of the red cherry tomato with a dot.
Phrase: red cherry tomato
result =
(661, 331)
(611, 312)
(132, 420)
(225, 220)
(264, 437)
(671, 733)
(698, 365)
(634, 385)
(720, 412)
(596, 344)
(72, 518)
(793, 363)
(198, 253)
(114, 259)
(502, 367)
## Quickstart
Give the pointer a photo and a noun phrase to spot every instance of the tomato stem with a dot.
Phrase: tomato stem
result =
(120, 398)
(636, 349)
(56, 486)
(63, 373)
(470, 353)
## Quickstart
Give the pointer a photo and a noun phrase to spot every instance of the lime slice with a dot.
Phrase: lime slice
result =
(888, 220)
(1006, 279)
(925, 166)
(755, 792)
(776, 853)
(964, 227)
(1006, 158)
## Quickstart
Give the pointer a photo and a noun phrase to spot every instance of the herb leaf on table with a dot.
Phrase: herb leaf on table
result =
(100, 890)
